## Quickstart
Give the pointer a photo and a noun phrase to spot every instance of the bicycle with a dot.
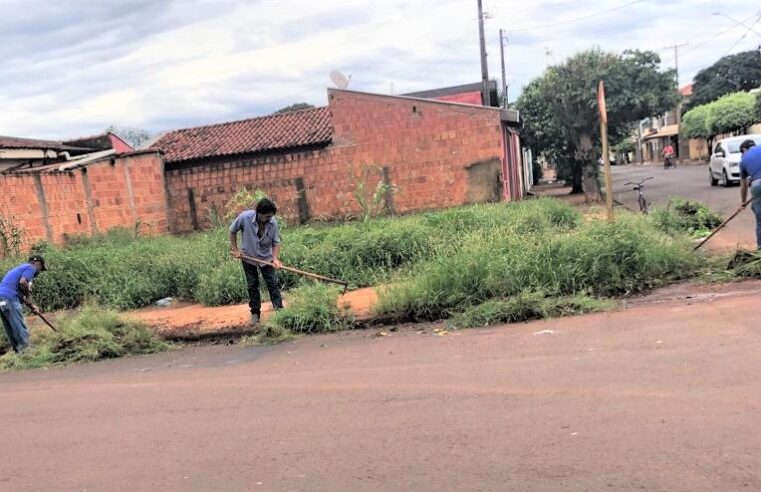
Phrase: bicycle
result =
(639, 187)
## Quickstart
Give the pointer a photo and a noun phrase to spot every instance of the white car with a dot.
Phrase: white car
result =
(724, 167)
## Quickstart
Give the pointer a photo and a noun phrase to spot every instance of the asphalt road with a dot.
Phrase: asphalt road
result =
(662, 396)
(688, 182)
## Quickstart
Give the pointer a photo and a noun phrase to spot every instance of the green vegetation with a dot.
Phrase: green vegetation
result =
(88, 335)
(311, 309)
(730, 113)
(686, 217)
(597, 258)
(527, 306)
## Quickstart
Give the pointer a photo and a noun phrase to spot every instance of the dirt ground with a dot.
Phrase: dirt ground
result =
(188, 321)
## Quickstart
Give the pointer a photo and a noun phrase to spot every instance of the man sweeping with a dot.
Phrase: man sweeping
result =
(260, 241)
(750, 177)
(15, 288)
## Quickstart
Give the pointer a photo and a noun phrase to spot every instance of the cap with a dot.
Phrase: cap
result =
(40, 259)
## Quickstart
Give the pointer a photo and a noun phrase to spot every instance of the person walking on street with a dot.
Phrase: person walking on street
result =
(260, 240)
(15, 288)
(750, 177)
(668, 155)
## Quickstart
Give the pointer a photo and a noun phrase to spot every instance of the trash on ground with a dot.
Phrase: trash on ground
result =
(164, 302)
(545, 332)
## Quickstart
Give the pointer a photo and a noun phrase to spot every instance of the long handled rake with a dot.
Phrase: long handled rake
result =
(300, 272)
(739, 209)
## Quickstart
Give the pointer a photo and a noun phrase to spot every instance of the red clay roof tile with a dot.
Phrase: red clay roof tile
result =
(274, 132)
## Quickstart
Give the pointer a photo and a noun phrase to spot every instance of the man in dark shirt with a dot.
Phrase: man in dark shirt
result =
(750, 177)
(16, 287)
(260, 240)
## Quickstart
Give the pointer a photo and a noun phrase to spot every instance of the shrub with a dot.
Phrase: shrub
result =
(312, 309)
(89, 335)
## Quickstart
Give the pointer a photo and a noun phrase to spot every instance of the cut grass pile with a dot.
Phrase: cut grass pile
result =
(85, 336)
(527, 306)
(686, 217)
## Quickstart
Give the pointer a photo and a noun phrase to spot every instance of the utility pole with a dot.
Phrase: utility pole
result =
(683, 146)
(502, 40)
(484, 67)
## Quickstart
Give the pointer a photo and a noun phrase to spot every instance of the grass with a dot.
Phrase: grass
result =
(527, 306)
(312, 309)
(88, 335)
(686, 217)
(598, 258)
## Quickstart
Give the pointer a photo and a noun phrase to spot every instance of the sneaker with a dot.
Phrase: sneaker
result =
(254, 320)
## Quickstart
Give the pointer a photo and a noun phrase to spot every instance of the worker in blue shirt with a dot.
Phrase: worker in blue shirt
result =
(750, 177)
(15, 288)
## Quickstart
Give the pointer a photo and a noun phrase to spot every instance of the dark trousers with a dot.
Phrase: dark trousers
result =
(252, 282)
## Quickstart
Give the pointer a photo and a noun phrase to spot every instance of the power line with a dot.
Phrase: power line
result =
(745, 34)
(577, 19)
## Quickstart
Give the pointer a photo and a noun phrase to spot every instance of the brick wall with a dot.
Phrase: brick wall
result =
(438, 155)
(113, 192)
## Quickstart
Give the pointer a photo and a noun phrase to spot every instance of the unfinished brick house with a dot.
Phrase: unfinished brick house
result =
(436, 153)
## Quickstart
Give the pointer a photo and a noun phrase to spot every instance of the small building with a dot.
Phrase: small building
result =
(26, 152)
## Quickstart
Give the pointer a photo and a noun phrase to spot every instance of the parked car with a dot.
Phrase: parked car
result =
(724, 167)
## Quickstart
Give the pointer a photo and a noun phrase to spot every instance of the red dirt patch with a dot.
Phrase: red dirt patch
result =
(184, 320)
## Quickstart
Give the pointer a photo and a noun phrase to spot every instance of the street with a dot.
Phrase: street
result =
(689, 182)
(664, 395)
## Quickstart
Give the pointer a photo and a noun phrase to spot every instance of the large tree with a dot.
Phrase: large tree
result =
(732, 73)
(635, 88)
(543, 133)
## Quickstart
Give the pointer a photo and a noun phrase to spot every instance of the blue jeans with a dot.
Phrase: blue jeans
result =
(755, 192)
(15, 326)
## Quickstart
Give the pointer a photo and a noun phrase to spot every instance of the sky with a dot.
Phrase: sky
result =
(71, 68)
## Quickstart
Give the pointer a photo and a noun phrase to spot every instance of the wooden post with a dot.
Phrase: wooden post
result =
(605, 150)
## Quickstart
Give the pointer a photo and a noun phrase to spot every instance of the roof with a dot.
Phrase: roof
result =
(666, 131)
(686, 90)
(31, 143)
(275, 132)
(103, 141)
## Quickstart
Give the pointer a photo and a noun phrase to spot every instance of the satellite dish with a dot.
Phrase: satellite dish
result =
(339, 79)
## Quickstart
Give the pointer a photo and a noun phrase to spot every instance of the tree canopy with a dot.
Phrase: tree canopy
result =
(732, 73)
(560, 110)
(133, 136)
(294, 107)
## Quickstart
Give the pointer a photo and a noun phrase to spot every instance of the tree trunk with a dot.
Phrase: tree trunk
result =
(577, 187)
(589, 167)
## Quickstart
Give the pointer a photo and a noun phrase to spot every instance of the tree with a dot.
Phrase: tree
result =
(294, 107)
(543, 133)
(695, 124)
(133, 136)
(732, 73)
(733, 113)
(635, 88)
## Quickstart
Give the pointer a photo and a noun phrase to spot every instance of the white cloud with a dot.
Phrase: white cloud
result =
(75, 70)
